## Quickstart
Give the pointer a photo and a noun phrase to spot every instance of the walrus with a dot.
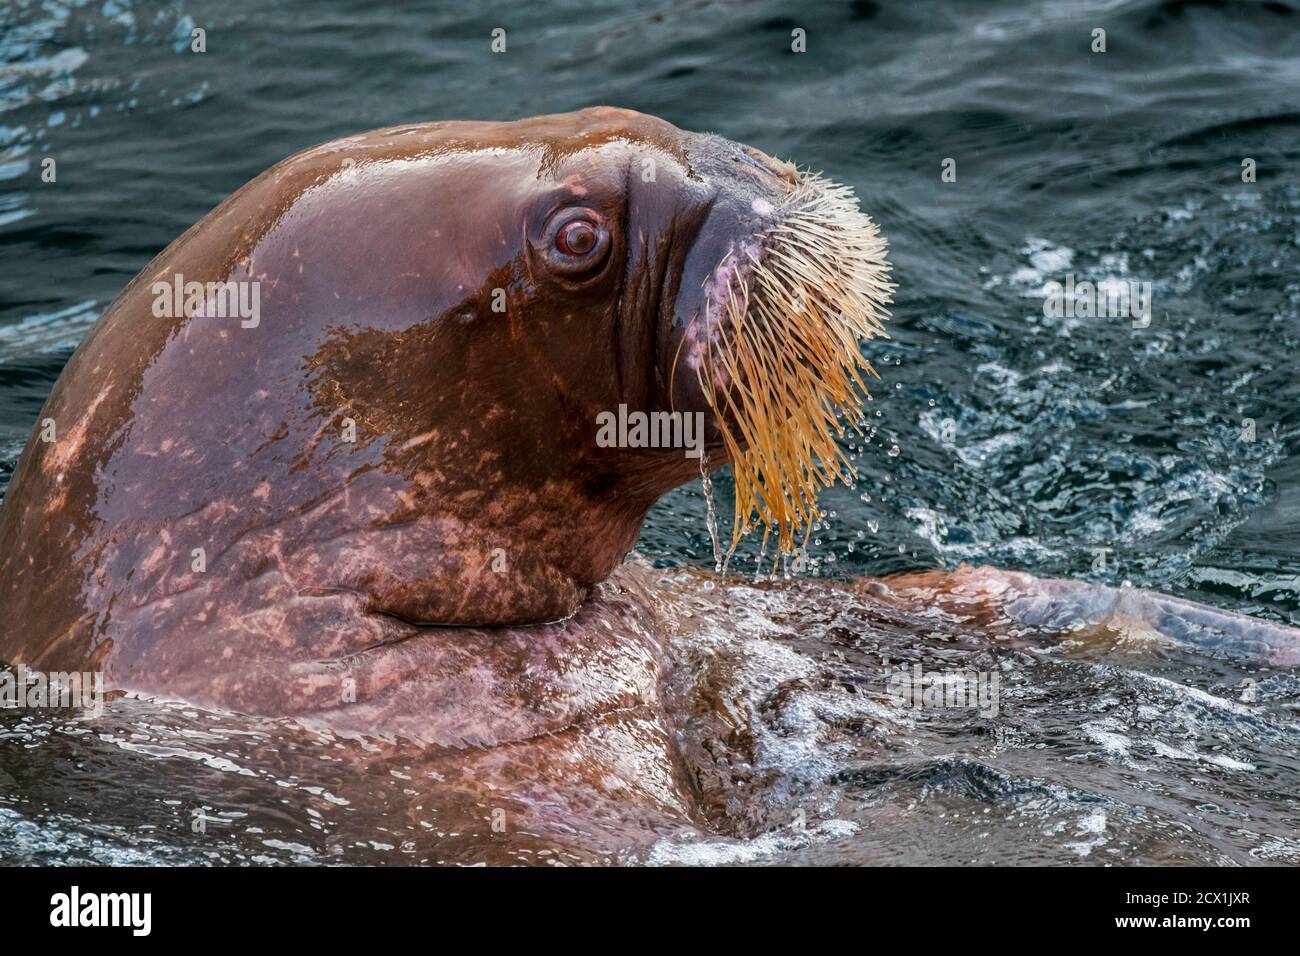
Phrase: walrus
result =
(333, 455)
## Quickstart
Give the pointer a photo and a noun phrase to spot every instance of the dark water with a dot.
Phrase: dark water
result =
(1023, 440)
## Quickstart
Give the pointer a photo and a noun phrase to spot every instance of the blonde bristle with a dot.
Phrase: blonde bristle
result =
(789, 345)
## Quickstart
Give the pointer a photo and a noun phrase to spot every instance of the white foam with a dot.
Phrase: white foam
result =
(730, 852)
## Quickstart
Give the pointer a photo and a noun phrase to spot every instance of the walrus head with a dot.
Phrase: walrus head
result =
(451, 317)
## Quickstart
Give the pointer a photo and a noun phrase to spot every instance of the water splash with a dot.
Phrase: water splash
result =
(711, 517)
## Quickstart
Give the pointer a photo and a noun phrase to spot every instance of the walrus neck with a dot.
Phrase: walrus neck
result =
(515, 557)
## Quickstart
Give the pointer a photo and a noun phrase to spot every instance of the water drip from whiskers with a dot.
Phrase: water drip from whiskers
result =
(711, 515)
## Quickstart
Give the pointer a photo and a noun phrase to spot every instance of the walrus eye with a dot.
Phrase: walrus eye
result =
(577, 238)
(579, 242)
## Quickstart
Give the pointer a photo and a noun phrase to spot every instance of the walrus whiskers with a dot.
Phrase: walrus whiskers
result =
(788, 342)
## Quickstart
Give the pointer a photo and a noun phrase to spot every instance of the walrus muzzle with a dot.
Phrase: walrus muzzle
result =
(787, 279)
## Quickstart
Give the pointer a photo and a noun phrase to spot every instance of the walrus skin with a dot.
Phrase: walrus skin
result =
(456, 574)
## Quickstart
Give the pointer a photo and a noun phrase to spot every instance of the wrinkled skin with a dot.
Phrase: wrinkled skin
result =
(454, 577)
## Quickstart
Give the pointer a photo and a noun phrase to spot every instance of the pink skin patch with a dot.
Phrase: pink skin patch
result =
(727, 281)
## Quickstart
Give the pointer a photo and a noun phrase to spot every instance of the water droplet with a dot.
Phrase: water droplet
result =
(711, 515)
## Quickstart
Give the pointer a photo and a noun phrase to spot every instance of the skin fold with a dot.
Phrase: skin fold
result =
(453, 576)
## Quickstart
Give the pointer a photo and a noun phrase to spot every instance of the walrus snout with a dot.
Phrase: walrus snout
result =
(749, 191)
(785, 279)
(767, 165)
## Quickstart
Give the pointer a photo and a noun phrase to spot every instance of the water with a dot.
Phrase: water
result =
(1081, 448)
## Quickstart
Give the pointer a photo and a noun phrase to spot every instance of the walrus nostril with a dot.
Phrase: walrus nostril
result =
(766, 164)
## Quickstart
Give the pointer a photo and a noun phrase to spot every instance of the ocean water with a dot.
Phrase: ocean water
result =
(1162, 453)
